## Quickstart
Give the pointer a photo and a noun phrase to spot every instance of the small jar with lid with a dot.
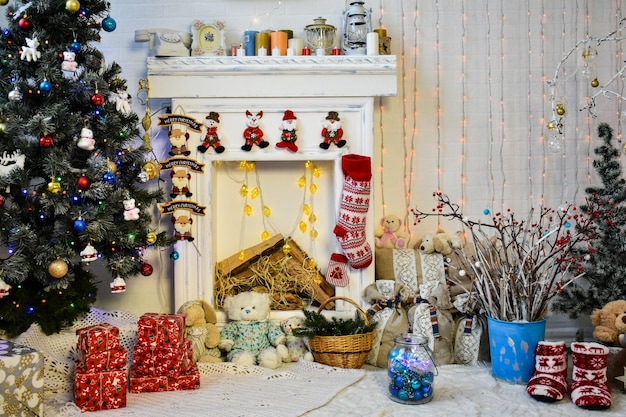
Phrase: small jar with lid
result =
(411, 370)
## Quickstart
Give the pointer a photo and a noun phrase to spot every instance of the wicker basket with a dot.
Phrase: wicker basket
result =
(349, 351)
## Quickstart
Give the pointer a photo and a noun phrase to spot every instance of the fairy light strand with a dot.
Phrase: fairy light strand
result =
(503, 138)
(438, 97)
(529, 83)
(542, 37)
(564, 179)
(490, 109)
(381, 133)
(463, 107)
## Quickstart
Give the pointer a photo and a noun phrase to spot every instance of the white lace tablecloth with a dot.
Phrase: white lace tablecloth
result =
(302, 388)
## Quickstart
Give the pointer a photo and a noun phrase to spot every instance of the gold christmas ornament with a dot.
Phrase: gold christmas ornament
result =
(151, 238)
(54, 186)
(552, 125)
(595, 83)
(72, 6)
(112, 166)
(58, 268)
(560, 110)
(152, 169)
(4, 2)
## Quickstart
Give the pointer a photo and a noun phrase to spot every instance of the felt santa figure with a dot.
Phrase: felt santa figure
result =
(332, 131)
(178, 140)
(211, 138)
(180, 183)
(288, 137)
(253, 135)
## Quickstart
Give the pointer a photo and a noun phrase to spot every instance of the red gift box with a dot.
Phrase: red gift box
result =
(100, 390)
(161, 329)
(98, 338)
(109, 360)
(162, 360)
(187, 381)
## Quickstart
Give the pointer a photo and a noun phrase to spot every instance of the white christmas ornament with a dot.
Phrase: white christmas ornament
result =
(8, 162)
(4, 288)
(30, 52)
(118, 285)
(130, 211)
(88, 254)
(86, 140)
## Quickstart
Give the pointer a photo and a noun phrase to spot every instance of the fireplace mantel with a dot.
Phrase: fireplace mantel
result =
(298, 76)
(309, 86)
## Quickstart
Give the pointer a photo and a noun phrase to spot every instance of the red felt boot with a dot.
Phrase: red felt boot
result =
(590, 388)
(549, 381)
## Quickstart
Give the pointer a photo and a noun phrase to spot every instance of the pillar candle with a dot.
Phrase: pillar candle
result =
(279, 40)
(372, 43)
(296, 44)
(262, 41)
(262, 52)
(249, 42)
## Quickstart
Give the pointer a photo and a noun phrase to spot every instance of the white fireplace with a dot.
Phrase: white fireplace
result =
(308, 86)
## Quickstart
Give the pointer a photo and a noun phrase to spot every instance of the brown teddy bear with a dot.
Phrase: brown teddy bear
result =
(610, 323)
(200, 320)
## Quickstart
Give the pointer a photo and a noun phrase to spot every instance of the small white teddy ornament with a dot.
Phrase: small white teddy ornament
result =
(86, 140)
(130, 211)
(69, 65)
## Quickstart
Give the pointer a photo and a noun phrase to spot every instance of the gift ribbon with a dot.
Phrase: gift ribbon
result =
(469, 318)
(434, 322)
(384, 303)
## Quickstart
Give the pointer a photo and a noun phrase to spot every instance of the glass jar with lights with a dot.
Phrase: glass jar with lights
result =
(411, 370)
(320, 35)
(357, 23)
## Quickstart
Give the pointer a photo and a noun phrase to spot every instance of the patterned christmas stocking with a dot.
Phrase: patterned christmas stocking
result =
(590, 387)
(337, 272)
(355, 201)
(549, 381)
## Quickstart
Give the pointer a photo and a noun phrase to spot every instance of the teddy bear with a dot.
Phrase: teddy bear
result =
(296, 346)
(250, 337)
(130, 211)
(390, 235)
(200, 328)
(441, 242)
(610, 323)
(85, 140)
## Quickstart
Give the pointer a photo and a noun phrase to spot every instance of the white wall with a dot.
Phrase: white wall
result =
(472, 106)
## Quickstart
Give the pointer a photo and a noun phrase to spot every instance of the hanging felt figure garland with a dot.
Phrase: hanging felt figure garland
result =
(211, 138)
(332, 131)
(252, 134)
(289, 136)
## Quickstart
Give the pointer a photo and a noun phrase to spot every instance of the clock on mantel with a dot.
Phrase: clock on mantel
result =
(309, 86)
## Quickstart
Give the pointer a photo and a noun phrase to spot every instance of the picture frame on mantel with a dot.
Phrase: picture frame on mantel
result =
(208, 38)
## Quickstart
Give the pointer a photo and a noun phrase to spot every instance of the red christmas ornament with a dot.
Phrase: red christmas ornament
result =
(1, 200)
(97, 99)
(46, 141)
(25, 24)
(146, 269)
(83, 182)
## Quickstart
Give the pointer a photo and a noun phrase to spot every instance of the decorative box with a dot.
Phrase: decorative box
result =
(98, 338)
(100, 390)
(21, 380)
(162, 360)
(188, 381)
(109, 360)
(161, 329)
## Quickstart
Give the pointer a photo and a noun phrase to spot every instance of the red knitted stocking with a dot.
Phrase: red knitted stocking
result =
(355, 200)
(590, 387)
(549, 381)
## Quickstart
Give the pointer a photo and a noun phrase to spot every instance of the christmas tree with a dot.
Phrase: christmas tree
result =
(605, 269)
(71, 166)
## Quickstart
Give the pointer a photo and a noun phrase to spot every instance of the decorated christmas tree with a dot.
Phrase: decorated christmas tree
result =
(605, 270)
(72, 166)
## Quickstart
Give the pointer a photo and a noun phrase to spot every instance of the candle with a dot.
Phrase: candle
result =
(306, 51)
(290, 52)
(278, 41)
(249, 42)
(372, 43)
(241, 52)
(276, 52)
(262, 52)
(262, 41)
(296, 44)
(320, 52)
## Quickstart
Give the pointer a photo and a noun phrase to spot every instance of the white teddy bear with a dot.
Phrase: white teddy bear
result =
(250, 337)
(130, 211)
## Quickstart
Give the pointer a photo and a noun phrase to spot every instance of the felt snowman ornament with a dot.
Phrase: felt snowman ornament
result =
(211, 137)
(86, 140)
(288, 136)
(69, 65)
